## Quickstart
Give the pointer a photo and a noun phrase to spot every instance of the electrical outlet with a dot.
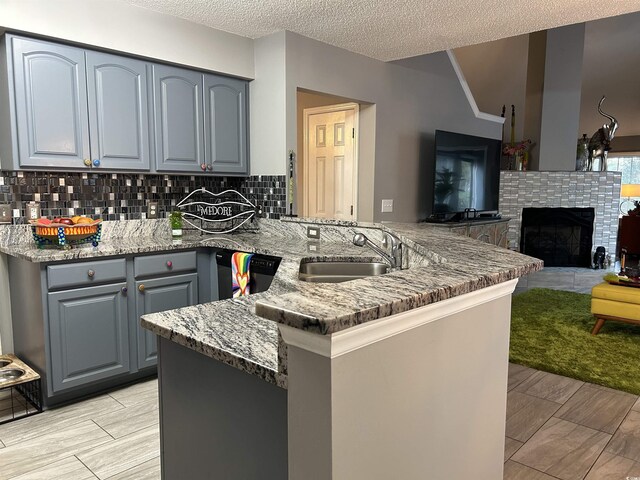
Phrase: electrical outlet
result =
(152, 209)
(5, 213)
(33, 211)
(313, 232)
(387, 206)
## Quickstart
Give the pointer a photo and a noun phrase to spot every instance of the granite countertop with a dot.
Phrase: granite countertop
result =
(240, 333)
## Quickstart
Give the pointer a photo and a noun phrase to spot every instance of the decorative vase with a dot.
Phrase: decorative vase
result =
(582, 154)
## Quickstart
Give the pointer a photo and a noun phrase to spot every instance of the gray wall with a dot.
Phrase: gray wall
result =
(118, 26)
(267, 108)
(413, 98)
(496, 73)
(612, 68)
(561, 98)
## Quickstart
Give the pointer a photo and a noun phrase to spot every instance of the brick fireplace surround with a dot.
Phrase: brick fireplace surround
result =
(600, 190)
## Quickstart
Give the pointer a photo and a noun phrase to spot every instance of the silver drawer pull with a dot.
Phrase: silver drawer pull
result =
(91, 273)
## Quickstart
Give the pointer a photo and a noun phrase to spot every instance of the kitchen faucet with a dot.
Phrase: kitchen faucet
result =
(395, 259)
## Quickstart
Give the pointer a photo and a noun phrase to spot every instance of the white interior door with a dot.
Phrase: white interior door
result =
(330, 162)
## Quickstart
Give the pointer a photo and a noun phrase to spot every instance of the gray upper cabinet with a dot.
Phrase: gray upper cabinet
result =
(225, 107)
(76, 109)
(118, 112)
(89, 335)
(177, 99)
(50, 104)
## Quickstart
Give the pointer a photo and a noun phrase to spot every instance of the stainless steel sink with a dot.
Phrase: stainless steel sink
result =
(335, 272)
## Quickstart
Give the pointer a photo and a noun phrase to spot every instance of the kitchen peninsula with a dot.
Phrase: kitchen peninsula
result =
(386, 377)
(381, 377)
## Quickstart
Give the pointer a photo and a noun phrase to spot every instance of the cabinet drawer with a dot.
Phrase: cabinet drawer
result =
(170, 262)
(86, 273)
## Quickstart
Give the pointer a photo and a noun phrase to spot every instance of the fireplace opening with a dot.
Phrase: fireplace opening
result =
(562, 237)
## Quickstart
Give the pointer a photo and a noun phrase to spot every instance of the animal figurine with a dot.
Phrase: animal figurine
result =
(600, 142)
(598, 258)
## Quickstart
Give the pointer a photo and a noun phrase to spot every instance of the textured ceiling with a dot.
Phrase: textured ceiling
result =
(390, 30)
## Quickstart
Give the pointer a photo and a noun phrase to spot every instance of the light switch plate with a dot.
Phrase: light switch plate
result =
(387, 206)
(5, 213)
(152, 209)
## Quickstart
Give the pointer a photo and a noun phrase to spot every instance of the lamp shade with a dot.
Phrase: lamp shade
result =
(630, 190)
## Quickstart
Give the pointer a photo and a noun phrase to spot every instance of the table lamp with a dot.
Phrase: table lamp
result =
(628, 190)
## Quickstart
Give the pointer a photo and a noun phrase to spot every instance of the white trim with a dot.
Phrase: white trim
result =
(467, 91)
(354, 338)
(356, 141)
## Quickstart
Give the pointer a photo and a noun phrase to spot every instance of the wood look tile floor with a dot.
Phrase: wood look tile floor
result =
(557, 429)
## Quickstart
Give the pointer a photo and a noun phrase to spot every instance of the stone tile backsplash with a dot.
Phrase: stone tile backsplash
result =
(122, 196)
(600, 190)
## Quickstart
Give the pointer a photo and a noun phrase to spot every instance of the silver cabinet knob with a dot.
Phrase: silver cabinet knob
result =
(91, 274)
(209, 167)
(124, 290)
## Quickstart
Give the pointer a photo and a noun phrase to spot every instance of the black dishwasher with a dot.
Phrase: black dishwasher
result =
(262, 268)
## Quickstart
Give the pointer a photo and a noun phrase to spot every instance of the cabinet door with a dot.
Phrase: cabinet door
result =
(118, 111)
(51, 104)
(225, 107)
(177, 99)
(88, 333)
(158, 295)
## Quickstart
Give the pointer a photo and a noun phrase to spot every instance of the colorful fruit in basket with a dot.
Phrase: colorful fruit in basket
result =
(66, 221)
(84, 220)
(44, 221)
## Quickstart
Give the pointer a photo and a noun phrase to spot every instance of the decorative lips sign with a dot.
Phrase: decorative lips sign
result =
(222, 212)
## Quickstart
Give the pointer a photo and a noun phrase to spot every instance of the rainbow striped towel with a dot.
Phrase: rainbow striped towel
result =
(240, 273)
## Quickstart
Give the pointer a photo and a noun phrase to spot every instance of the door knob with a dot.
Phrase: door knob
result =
(209, 167)
(87, 162)
(124, 290)
(141, 288)
(169, 264)
(91, 273)
(96, 162)
(203, 167)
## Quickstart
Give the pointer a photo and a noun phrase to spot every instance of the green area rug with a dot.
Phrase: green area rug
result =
(551, 331)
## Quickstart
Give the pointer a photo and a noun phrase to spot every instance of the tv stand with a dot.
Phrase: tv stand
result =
(458, 217)
(487, 229)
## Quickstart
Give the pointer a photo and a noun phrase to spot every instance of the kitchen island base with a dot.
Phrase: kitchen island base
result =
(414, 396)
(217, 421)
(420, 395)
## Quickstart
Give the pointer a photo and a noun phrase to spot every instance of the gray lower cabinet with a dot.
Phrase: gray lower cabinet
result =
(89, 335)
(177, 100)
(78, 323)
(225, 124)
(50, 102)
(157, 295)
(118, 111)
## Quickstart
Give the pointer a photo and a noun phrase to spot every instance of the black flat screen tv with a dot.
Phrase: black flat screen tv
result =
(467, 173)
